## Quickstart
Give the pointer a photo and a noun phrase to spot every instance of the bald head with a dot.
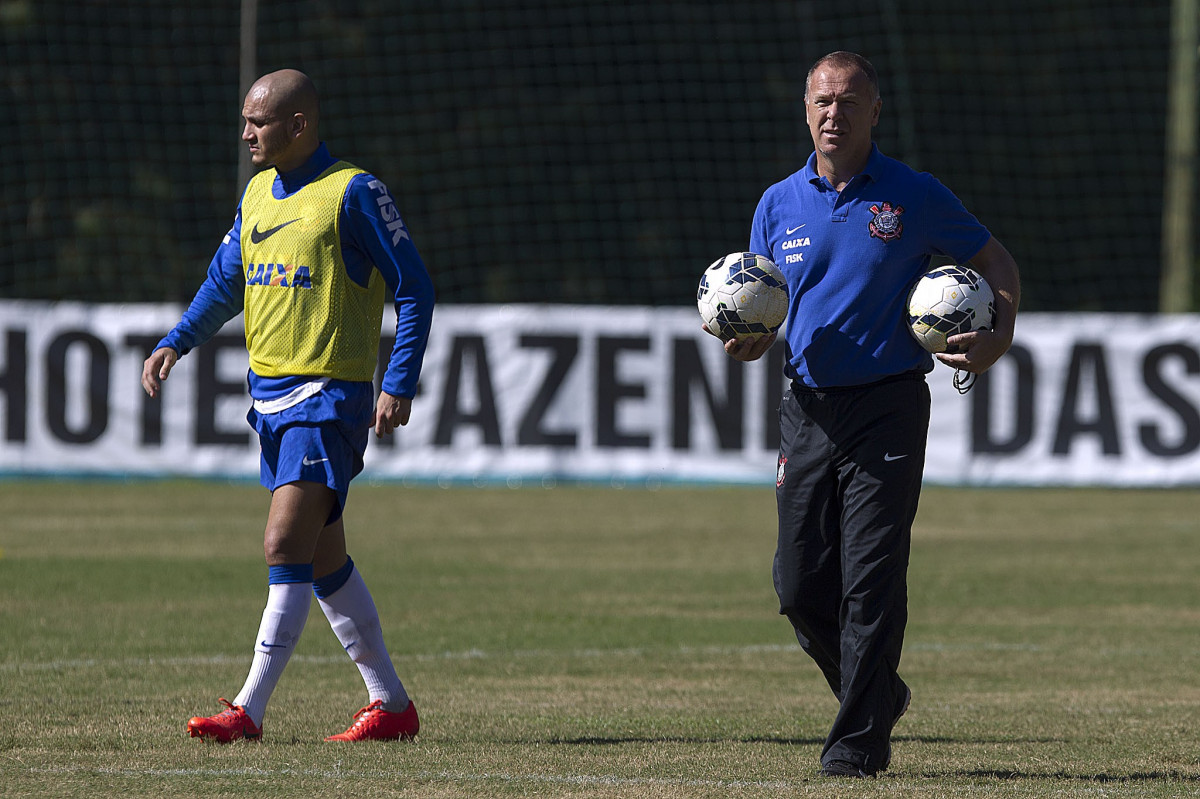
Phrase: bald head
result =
(281, 113)
(288, 92)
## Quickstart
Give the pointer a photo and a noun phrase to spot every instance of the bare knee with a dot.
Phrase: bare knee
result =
(279, 547)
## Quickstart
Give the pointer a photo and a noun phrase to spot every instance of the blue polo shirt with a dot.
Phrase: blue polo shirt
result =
(850, 259)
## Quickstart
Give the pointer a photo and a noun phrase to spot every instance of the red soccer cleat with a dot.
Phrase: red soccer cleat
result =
(373, 723)
(228, 725)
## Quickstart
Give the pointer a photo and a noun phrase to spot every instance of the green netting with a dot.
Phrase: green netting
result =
(560, 151)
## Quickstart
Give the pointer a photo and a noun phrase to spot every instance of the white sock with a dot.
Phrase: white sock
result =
(282, 622)
(355, 622)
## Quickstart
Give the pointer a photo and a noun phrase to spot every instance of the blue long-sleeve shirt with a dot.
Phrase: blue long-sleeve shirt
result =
(373, 237)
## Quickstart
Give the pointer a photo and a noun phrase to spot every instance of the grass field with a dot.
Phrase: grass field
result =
(587, 642)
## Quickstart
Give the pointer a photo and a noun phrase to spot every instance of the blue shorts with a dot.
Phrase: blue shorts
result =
(320, 440)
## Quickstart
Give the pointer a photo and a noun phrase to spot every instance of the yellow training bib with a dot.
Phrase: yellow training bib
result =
(304, 315)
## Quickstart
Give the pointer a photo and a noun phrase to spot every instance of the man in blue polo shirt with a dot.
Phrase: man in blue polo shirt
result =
(852, 230)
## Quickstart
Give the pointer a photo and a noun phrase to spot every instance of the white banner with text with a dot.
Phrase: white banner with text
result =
(532, 395)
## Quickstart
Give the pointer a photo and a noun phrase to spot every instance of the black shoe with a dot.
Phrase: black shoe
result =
(842, 768)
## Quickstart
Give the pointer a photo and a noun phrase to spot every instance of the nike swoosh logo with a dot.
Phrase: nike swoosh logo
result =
(889, 457)
(272, 646)
(259, 236)
(792, 230)
(307, 462)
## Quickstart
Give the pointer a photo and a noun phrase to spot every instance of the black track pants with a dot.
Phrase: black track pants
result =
(850, 464)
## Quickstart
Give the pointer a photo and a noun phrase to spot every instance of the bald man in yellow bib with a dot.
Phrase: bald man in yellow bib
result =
(316, 249)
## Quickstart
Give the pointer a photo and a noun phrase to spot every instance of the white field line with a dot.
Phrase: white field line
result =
(427, 776)
(483, 654)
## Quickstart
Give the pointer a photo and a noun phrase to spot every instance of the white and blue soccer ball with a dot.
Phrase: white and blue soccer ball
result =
(946, 301)
(742, 294)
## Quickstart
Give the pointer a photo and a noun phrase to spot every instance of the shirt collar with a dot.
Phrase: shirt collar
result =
(872, 170)
(302, 175)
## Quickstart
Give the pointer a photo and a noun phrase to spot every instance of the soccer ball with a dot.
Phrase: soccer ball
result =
(742, 294)
(946, 301)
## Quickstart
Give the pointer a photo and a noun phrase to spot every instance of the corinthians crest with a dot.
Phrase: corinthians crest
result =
(886, 224)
